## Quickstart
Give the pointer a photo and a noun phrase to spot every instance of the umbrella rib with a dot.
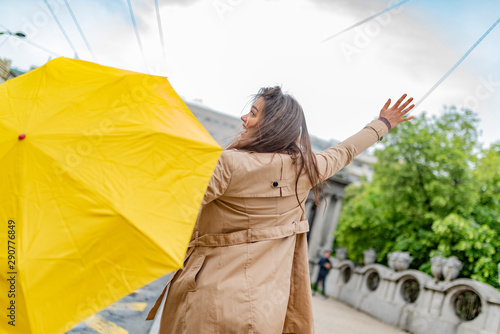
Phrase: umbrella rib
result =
(22, 285)
(7, 152)
(156, 132)
(21, 279)
(42, 122)
(118, 78)
(76, 104)
(103, 199)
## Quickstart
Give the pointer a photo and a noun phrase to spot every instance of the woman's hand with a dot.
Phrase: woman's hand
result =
(394, 115)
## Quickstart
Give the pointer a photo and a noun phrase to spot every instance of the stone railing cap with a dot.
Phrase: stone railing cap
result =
(420, 276)
(382, 270)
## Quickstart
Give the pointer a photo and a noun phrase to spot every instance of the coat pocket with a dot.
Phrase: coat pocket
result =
(192, 270)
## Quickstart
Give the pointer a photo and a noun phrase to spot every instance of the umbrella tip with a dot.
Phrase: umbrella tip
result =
(22, 136)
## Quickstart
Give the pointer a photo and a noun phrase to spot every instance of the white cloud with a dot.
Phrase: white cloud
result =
(224, 58)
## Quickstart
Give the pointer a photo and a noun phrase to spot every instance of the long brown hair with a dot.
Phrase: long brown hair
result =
(282, 129)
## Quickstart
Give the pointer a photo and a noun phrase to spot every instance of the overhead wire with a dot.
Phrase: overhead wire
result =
(446, 75)
(81, 31)
(38, 46)
(61, 28)
(160, 29)
(4, 41)
(138, 37)
(365, 20)
(26, 40)
(456, 64)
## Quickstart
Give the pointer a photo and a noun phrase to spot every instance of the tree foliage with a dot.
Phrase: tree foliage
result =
(434, 190)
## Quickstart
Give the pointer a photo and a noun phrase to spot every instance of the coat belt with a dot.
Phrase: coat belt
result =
(249, 235)
(236, 238)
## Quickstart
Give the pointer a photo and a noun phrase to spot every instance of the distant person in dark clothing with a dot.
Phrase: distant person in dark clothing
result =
(324, 267)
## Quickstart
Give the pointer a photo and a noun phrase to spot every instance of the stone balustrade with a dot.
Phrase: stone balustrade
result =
(414, 301)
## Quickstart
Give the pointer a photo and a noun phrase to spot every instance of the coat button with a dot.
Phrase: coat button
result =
(275, 184)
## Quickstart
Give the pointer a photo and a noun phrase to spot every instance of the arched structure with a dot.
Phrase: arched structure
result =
(414, 301)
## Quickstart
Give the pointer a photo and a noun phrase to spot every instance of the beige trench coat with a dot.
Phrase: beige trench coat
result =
(246, 268)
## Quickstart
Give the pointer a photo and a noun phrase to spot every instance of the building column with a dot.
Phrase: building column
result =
(332, 226)
(316, 237)
(307, 208)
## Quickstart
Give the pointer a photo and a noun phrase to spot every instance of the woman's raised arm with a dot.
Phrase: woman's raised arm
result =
(331, 160)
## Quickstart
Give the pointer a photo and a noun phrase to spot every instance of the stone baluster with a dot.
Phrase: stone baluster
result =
(369, 256)
(391, 259)
(451, 268)
(403, 261)
(437, 264)
(341, 253)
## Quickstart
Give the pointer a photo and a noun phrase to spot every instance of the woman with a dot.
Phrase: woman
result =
(246, 268)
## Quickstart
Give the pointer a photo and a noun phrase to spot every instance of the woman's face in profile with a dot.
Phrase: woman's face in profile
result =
(251, 119)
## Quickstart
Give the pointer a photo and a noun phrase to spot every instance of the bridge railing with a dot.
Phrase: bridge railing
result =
(414, 301)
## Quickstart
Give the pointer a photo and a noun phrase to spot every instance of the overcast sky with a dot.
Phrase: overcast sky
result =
(222, 51)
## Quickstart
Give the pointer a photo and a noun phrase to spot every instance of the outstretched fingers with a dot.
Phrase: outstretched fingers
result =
(405, 113)
(401, 108)
(407, 110)
(404, 119)
(387, 104)
(401, 99)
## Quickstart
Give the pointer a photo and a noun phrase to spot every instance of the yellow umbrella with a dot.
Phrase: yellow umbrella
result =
(102, 175)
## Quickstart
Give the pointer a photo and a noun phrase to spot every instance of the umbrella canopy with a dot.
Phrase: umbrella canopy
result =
(102, 175)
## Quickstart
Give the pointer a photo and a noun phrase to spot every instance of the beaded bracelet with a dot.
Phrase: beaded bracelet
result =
(383, 119)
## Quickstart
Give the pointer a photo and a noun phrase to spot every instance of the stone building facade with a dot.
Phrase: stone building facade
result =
(223, 128)
(6, 72)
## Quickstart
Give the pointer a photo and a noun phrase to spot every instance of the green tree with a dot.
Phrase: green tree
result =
(434, 190)
(474, 244)
(487, 208)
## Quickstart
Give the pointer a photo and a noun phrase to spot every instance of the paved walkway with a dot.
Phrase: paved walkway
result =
(127, 316)
(331, 316)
